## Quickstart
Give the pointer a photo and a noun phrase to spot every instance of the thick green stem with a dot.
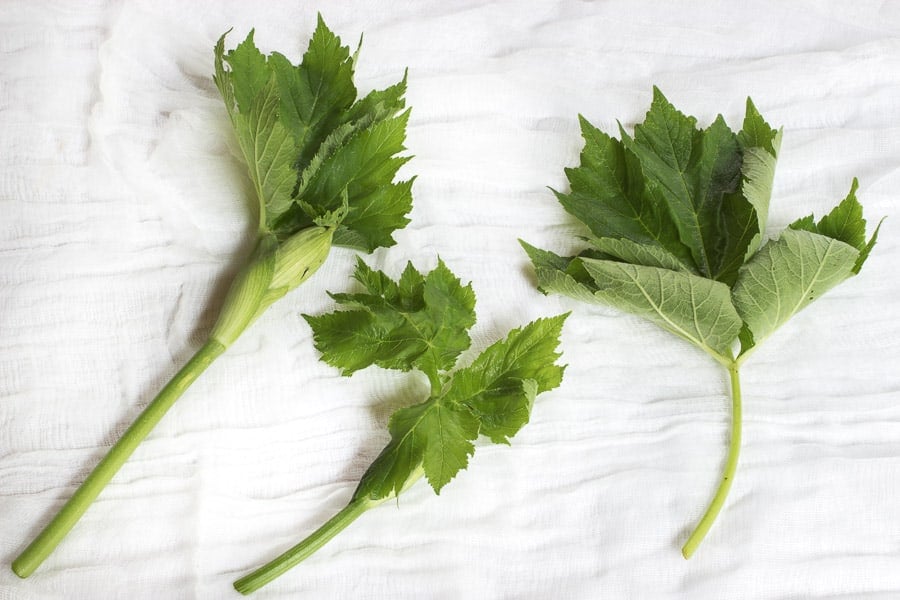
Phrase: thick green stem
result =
(734, 450)
(277, 567)
(65, 519)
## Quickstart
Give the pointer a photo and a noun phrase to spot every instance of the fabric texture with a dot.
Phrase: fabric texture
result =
(125, 213)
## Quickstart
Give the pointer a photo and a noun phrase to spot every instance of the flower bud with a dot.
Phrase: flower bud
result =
(300, 256)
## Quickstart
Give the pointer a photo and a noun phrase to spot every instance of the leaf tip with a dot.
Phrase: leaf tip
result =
(220, 44)
(751, 107)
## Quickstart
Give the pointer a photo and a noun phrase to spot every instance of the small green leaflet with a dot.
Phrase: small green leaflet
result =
(560, 275)
(844, 223)
(316, 153)
(421, 322)
(677, 220)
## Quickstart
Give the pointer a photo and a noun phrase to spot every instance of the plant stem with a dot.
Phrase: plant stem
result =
(277, 567)
(68, 515)
(734, 450)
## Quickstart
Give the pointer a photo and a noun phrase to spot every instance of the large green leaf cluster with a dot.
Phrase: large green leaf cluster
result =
(317, 154)
(677, 218)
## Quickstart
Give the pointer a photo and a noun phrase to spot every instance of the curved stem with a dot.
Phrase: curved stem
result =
(734, 450)
(47, 540)
(277, 567)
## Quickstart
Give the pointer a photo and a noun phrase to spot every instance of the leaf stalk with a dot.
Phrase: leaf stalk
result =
(731, 462)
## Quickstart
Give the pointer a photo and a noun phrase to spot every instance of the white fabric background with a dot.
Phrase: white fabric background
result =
(125, 213)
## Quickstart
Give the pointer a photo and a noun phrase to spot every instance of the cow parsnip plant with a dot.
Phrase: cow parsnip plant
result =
(322, 163)
(421, 323)
(677, 218)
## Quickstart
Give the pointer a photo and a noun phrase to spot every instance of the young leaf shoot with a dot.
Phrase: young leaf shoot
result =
(677, 219)
(322, 163)
(421, 323)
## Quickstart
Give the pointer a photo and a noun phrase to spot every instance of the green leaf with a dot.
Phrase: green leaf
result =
(364, 163)
(222, 76)
(740, 237)
(648, 255)
(864, 253)
(361, 169)
(249, 73)
(807, 223)
(492, 396)
(560, 275)
(844, 223)
(420, 323)
(757, 133)
(378, 104)
(249, 92)
(760, 144)
(609, 196)
(697, 173)
(316, 94)
(500, 385)
(269, 151)
(788, 274)
(370, 225)
(695, 308)
(434, 435)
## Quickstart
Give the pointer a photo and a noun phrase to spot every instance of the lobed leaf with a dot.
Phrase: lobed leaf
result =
(697, 174)
(560, 275)
(844, 223)
(316, 94)
(788, 274)
(695, 308)
(434, 435)
(760, 144)
(716, 187)
(493, 396)
(269, 151)
(608, 195)
(378, 104)
(421, 323)
(249, 73)
(501, 384)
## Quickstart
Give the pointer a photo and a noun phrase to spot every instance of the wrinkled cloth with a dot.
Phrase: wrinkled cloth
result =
(126, 212)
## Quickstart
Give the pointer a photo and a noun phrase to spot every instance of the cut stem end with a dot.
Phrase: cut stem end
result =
(291, 558)
(47, 540)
